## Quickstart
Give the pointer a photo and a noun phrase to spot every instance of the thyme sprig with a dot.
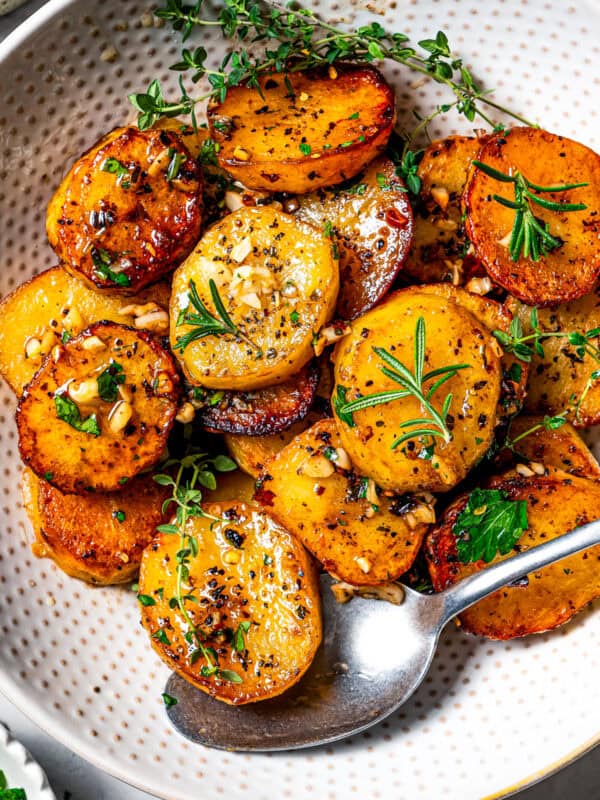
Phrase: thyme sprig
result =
(297, 39)
(206, 324)
(194, 470)
(530, 237)
(413, 384)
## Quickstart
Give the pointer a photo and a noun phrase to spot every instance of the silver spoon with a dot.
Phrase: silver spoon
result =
(373, 657)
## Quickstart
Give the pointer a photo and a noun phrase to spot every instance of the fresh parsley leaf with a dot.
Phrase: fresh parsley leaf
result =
(102, 261)
(119, 515)
(68, 412)
(168, 700)
(146, 600)
(115, 167)
(239, 645)
(305, 148)
(109, 381)
(294, 317)
(489, 524)
(13, 794)
(161, 637)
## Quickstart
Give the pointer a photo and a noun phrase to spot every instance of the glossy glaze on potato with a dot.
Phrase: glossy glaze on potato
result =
(321, 500)
(545, 159)
(263, 412)
(256, 257)
(559, 377)
(121, 230)
(54, 305)
(79, 462)
(98, 538)
(371, 222)
(440, 246)
(453, 336)
(556, 503)
(304, 130)
(248, 570)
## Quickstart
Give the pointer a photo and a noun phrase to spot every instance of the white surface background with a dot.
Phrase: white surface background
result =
(74, 779)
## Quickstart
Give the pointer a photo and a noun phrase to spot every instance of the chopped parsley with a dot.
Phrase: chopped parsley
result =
(119, 515)
(305, 148)
(102, 261)
(109, 381)
(68, 412)
(115, 167)
(294, 317)
(489, 524)
(146, 600)
(168, 700)
(175, 163)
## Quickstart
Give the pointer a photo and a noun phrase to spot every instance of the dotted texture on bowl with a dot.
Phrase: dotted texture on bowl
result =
(74, 657)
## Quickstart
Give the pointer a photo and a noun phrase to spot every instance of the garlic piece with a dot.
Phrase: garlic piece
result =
(241, 250)
(83, 392)
(441, 196)
(186, 413)
(119, 416)
(317, 466)
(93, 344)
(33, 347)
(363, 564)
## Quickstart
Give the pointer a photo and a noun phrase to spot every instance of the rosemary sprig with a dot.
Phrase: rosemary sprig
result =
(525, 346)
(530, 236)
(413, 384)
(205, 323)
(194, 470)
(302, 41)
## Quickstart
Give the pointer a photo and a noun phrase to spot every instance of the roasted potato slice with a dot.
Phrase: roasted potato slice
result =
(454, 336)
(99, 409)
(557, 502)
(303, 130)
(234, 487)
(262, 412)
(558, 379)
(53, 306)
(251, 574)
(278, 281)
(360, 536)
(251, 453)
(544, 159)
(98, 538)
(370, 221)
(128, 211)
(561, 447)
(439, 251)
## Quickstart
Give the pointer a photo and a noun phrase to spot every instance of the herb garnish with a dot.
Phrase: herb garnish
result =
(169, 700)
(489, 524)
(303, 41)
(10, 794)
(102, 261)
(109, 381)
(115, 167)
(205, 323)
(530, 236)
(194, 470)
(68, 412)
(175, 163)
(413, 383)
(238, 641)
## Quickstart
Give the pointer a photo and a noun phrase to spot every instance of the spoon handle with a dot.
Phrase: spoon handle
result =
(480, 584)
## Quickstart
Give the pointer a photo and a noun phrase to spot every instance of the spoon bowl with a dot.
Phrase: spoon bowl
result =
(373, 657)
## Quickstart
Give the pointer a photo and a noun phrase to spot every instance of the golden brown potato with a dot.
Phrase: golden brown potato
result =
(304, 130)
(53, 305)
(359, 535)
(371, 222)
(251, 453)
(558, 380)
(262, 412)
(128, 211)
(440, 245)
(562, 448)
(278, 281)
(454, 336)
(98, 538)
(556, 503)
(257, 604)
(545, 159)
(235, 487)
(99, 409)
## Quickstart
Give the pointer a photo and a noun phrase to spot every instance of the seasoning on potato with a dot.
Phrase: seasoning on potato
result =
(303, 130)
(247, 303)
(128, 211)
(254, 624)
(99, 410)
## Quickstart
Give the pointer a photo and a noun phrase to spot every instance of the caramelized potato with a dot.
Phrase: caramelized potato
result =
(556, 503)
(558, 379)
(128, 211)
(248, 573)
(235, 487)
(454, 336)
(98, 538)
(278, 281)
(562, 448)
(303, 130)
(53, 305)
(99, 409)
(545, 159)
(439, 248)
(360, 536)
(371, 223)
(262, 412)
(251, 453)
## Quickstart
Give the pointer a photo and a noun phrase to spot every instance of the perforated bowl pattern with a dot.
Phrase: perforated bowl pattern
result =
(73, 657)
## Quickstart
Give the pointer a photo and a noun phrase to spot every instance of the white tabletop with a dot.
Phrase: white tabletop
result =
(72, 778)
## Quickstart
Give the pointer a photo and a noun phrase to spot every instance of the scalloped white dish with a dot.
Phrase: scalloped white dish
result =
(491, 716)
(21, 770)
